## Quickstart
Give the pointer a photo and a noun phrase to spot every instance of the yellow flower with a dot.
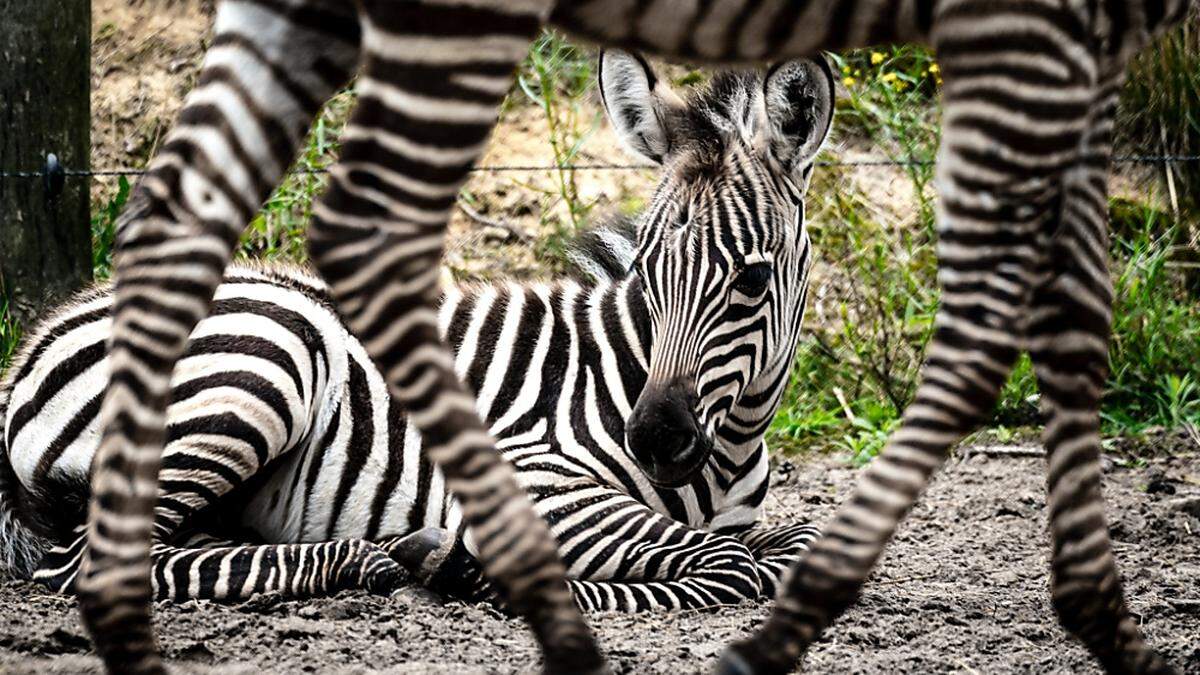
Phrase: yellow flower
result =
(846, 69)
(888, 77)
(933, 68)
(876, 58)
(848, 81)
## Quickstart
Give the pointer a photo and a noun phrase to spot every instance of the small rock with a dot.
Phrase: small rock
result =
(1006, 578)
(498, 235)
(1157, 482)
(199, 652)
(70, 640)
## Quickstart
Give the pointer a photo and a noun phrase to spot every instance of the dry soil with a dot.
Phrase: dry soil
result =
(962, 589)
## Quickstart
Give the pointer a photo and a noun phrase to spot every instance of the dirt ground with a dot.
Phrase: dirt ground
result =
(963, 589)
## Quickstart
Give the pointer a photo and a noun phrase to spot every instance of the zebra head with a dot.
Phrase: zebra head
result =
(722, 250)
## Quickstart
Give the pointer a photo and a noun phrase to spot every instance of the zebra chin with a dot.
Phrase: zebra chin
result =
(678, 474)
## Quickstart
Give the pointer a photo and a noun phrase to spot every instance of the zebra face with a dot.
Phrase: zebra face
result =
(722, 251)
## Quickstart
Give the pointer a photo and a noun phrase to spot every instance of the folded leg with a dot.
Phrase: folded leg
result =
(203, 567)
(776, 549)
(621, 556)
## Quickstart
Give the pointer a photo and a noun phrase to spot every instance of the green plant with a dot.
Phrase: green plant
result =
(889, 97)
(556, 76)
(1160, 106)
(10, 333)
(277, 232)
(1155, 353)
(868, 436)
(859, 366)
(104, 230)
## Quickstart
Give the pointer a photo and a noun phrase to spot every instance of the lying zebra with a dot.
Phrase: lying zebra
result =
(633, 407)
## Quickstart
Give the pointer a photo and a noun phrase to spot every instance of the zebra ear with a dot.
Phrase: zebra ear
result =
(799, 98)
(638, 104)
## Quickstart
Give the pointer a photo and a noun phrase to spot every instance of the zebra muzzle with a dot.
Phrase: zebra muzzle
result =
(664, 435)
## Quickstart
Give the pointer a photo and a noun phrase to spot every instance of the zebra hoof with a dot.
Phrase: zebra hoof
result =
(423, 552)
(733, 663)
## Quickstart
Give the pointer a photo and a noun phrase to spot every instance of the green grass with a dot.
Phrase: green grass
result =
(557, 77)
(10, 334)
(104, 230)
(1155, 362)
(277, 233)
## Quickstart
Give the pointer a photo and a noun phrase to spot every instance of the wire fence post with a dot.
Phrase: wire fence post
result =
(45, 126)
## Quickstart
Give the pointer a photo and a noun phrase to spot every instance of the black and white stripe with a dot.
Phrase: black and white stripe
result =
(1030, 88)
(280, 425)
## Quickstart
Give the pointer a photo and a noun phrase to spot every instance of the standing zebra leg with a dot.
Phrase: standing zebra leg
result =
(432, 80)
(267, 73)
(997, 201)
(1071, 359)
(1068, 342)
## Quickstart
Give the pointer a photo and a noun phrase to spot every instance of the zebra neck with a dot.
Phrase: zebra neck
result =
(743, 430)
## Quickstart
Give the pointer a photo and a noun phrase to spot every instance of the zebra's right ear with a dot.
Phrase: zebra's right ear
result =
(638, 103)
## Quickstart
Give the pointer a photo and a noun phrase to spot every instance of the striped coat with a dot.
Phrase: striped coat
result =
(289, 467)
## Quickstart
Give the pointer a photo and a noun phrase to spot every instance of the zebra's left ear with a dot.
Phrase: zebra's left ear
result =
(799, 97)
(639, 105)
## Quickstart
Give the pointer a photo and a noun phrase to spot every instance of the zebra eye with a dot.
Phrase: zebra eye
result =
(752, 280)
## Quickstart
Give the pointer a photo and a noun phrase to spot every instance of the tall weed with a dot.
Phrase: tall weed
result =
(1160, 106)
(557, 76)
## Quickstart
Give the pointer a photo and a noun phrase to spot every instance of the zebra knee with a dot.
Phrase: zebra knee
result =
(735, 574)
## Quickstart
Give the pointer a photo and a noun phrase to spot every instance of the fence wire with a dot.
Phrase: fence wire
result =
(517, 218)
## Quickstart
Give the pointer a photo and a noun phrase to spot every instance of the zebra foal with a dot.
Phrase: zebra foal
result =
(633, 406)
(1030, 88)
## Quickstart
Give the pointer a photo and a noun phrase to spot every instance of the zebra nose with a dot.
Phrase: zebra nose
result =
(662, 432)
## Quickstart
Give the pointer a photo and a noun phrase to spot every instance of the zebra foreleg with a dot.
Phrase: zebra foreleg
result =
(263, 80)
(632, 559)
(206, 568)
(997, 202)
(1068, 342)
(427, 101)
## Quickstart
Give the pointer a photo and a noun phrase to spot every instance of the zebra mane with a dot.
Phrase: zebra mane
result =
(720, 110)
(605, 253)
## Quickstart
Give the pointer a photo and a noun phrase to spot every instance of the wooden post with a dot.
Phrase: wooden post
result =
(45, 108)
